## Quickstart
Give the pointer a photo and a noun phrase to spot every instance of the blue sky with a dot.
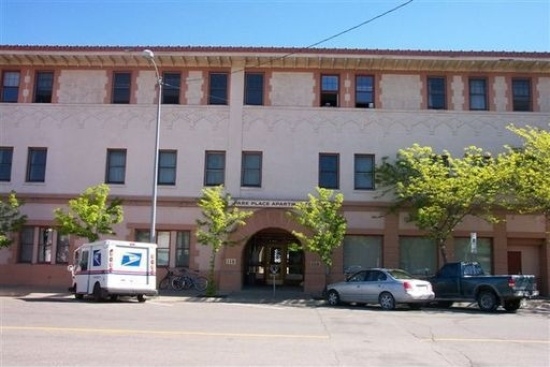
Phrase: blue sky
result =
(490, 25)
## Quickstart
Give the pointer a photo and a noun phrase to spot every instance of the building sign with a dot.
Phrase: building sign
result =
(265, 203)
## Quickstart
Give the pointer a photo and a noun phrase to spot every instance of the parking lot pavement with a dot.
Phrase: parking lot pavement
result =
(267, 296)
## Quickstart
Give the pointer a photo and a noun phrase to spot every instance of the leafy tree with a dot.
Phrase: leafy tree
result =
(91, 214)
(326, 226)
(11, 220)
(528, 184)
(220, 218)
(439, 191)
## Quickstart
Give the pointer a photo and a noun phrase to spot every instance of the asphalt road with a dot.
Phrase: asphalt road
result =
(56, 330)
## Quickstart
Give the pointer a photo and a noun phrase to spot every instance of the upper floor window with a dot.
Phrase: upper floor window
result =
(121, 87)
(478, 94)
(217, 93)
(254, 89)
(251, 173)
(329, 90)
(329, 170)
(167, 167)
(116, 166)
(214, 172)
(364, 172)
(10, 86)
(36, 165)
(521, 94)
(6, 157)
(43, 87)
(364, 91)
(171, 88)
(437, 96)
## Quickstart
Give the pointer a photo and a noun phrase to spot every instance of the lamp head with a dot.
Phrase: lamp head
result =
(148, 54)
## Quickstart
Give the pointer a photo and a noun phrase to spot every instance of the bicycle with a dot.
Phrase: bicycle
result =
(188, 280)
(168, 280)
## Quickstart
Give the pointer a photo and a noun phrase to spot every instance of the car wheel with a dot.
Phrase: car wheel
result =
(97, 293)
(333, 298)
(487, 301)
(386, 300)
(512, 305)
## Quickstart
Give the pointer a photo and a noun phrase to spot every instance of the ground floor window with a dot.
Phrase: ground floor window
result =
(165, 241)
(182, 248)
(26, 242)
(42, 245)
(418, 255)
(62, 249)
(484, 255)
(362, 252)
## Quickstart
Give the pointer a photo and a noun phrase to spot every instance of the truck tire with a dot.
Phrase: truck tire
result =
(141, 298)
(487, 301)
(512, 305)
(78, 296)
(97, 294)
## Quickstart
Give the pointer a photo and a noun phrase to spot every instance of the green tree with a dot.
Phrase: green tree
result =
(326, 226)
(439, 191)
(91, 214)
(11, 219)
(220, 219)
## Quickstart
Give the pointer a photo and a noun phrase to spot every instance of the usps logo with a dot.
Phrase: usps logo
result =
(97, 257)
(131, 259)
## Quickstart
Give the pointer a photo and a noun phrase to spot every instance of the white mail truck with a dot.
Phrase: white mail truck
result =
(112, 268)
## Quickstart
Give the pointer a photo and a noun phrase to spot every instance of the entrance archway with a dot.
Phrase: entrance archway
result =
(272, 256)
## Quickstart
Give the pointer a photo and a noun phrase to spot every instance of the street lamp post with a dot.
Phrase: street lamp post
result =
(149, 55)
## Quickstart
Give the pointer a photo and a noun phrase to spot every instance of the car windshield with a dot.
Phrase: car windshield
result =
(399, 274)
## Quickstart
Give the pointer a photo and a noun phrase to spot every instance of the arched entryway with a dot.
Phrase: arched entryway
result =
(273, 256)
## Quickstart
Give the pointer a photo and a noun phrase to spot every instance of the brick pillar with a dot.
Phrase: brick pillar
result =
(500, 248)
(544, 286)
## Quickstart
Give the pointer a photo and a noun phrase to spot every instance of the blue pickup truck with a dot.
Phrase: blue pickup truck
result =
(467, 282)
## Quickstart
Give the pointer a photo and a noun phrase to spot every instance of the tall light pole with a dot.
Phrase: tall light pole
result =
(149, 55)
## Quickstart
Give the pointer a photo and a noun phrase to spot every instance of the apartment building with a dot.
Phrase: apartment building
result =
(270, 124)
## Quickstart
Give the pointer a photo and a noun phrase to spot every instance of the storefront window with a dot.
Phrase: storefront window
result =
(362, 252)
(484, 255)
(418, 256)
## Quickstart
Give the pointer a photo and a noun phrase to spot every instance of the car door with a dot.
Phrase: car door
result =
(373, 285)
(353, 289)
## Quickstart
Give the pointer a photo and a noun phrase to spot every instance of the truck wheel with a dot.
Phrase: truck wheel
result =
(97, 293)
(512, 305)
(78, 296)
(386, 300)
(141, 298)
(487, 301)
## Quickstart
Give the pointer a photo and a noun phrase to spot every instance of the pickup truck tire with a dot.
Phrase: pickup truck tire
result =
(512, 305)
(487, 301)
(386, 300)
(333, 298)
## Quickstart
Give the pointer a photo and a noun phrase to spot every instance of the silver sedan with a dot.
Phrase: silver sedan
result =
(386, 287)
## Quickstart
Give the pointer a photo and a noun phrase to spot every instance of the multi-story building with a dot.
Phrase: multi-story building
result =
(270, 124)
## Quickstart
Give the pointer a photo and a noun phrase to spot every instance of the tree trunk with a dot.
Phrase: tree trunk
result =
(442, 249)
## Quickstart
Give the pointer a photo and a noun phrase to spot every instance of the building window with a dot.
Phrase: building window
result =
(182, 248)
(251, 171)
(163, 248)
(254, 89)
(362, 252)
(521, 94)
(218, 89)
(418, 256)
(62, 249)
(43, 87)
(36, 165)
(167, 167)
(121, 87)
(214, 173)
(45, 245)
(364, 172)
(328, 170)
(171, 88)
(6, 157)
(484, 255)
(478, 94)
(364, 91)
(329, 90)
(10, 86)
(116, 166)
(437, 96)
(26, 240)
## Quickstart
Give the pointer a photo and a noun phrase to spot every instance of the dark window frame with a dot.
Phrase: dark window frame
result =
(167, 169)
(218, 84)
(26, 245)
(477, 93)
(329, 91)
(437, 94)
(112, 168)
(122, 88)
(522, 95)
(364, 98)
(171, 86)
(254, 89)
(183, 248)
(36, 164)
(6, 162)
(360, 174)
(43, 86)
(214, 174)
(329, 177)
(10, 93)
(249, 169)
